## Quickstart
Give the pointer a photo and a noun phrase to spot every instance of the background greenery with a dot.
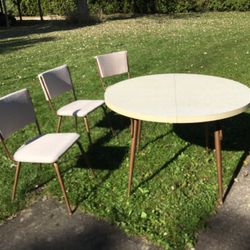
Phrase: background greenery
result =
(64, 7)
(175, 181)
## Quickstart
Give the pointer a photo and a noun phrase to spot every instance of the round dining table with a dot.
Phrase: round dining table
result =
(178, 98)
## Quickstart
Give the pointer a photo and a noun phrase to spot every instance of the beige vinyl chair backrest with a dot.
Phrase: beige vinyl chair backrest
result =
(16, 111)
(112, 64)
(56, 81)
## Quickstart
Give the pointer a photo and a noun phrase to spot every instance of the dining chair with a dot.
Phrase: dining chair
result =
(56, 82)
(16, 112)
(113, 64)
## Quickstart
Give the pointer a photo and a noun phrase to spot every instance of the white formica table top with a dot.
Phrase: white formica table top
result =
(178, 98)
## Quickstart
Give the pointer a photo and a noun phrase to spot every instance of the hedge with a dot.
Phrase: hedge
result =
(64, 7)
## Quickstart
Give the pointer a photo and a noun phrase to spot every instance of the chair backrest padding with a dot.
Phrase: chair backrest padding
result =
(16, 111)
(55, 81)
(115, 63)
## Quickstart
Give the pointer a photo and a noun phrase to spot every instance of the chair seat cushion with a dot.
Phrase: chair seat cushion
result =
(79, 108)
(46, 148)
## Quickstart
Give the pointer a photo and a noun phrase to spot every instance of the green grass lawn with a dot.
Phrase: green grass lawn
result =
(175, 181)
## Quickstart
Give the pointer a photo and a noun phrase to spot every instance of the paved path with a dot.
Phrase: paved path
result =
(229, 229)
(46, 225)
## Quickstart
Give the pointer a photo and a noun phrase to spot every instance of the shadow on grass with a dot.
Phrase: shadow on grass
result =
(163, 17)
(236, 137)
(155, 139)
(12, 45)
(235, 174)
(120, 16)
(117, 122)
(21, 31)
(30, 27)
(236, 133)
(81, 197)
(100, 157)
(103, 158)
(164, 166)
(53, 176)
(156, 17)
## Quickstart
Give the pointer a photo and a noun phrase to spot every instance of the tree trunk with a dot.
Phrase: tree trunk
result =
(40, 9)
(19, 10)
(6, 15)
(1, 6)
(83, 10)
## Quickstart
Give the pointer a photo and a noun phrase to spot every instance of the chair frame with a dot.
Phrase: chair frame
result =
(104, 88)
(102, 78)
(52, 107)
(55, 164)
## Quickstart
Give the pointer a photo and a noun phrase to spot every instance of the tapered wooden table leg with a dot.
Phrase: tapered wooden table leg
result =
(206, 138)
(138, 135)
(217, 143)
(132, 152)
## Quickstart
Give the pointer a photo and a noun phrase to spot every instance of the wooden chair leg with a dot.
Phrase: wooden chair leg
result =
(86, 123)
(59, 124)
(56, 166)
(18, 166)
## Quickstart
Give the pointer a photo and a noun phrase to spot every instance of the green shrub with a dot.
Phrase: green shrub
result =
(59, 7)
(29, 7)
(53, 7)
(239, 5)
(65, 7)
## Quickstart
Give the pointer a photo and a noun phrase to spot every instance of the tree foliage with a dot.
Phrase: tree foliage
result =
(66, 7)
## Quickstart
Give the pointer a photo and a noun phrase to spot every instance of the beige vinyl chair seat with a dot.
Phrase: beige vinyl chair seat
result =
(45, 148)
(79, 108)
